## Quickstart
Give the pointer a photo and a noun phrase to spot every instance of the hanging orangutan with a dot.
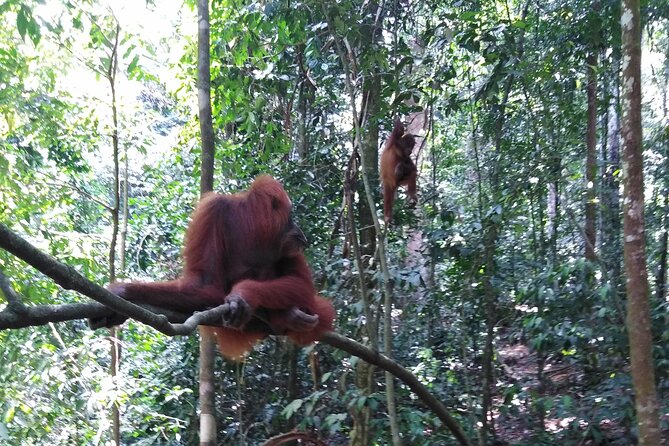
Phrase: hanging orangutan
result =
(397, 168)
(245, 251)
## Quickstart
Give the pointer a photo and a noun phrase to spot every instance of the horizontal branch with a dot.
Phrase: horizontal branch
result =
(70, 279)
(31, 316)
(43, 314)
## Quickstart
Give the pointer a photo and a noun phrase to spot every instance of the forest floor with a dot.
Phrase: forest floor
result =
(520, 386)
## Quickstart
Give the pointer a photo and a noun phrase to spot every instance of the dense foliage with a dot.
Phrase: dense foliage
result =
(496, 309)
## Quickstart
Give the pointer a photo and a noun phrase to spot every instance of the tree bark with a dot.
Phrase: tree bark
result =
(638, 306)
(611, 225)
(113, 331)
(204, 97)
(661, 277)
(369, 168)
(591, 147)
(207, 342)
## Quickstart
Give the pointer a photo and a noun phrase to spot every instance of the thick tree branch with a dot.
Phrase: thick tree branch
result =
(43, 314)
(68, 278)
(22, 316)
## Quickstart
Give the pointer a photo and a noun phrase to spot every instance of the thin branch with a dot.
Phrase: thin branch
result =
(77, 189)
(355, 348)
(308, 437)
(14, 301)
(45, 314)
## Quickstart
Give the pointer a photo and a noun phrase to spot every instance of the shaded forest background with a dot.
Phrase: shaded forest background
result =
(507, 284)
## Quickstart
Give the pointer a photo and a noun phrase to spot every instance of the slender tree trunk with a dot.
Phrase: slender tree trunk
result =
(207, 342)
(368, 149)
(207, 389)
(490, 302)
(368, 220)
(125, 216)
(492, 226)
(369, 145)
(611, 225)
(612, 250)
(204, 96)
(293, 373)
(305, 97)
(370, 326)
(553, 211)
(111, 77)
(591, 150)
(638, 307)
(369, 152)
(661, 277)
(113, 331)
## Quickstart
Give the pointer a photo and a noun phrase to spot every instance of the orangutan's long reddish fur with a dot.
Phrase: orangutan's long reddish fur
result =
(397, 168)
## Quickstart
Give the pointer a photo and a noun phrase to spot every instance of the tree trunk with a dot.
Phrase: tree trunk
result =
(204, 97)
(591, 152)
(305, 98)
(661, 277)
(371, 32)
(370, 234)
(490, 303)
(369, 152)
(207, 342)
(492, 228)
(611, 227)
(113, 331)
(638, 311)
(553, 210)
(207, 389)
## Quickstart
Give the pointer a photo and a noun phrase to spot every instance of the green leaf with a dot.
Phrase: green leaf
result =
(34, 31)
(469, 15)
(291, 408)
(22, 21)
(132, 65)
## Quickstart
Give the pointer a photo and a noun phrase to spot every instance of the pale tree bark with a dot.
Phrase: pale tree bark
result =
(611, 246)
(115, 351)
(553, 209)
(591, 145)
(661, 276)
(638, 307)
(207, 342)
(204, 97)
